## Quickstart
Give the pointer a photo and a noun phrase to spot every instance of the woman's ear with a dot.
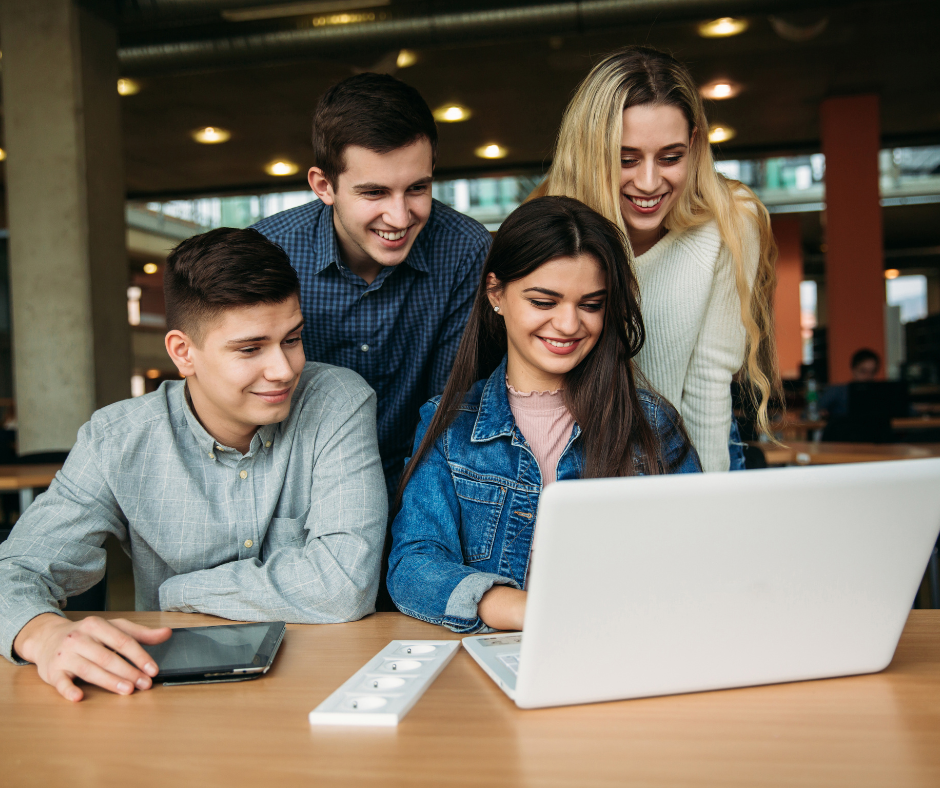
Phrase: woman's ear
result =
(494, 290)
(179, 346)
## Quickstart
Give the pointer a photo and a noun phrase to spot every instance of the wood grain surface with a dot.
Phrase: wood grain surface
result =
(875, 730)
(831, 453)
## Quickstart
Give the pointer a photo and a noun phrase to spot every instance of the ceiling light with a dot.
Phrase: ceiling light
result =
(491, 151)
(720, 89)
(153, 374)
(3, 154)
(720, 133)
(210, 135)
(297, 9)
(451, 113)
(892, 273)
(281, 167)
(406, 58)
(128, 87)
(798, 33)
(344, 19)
(722, 28)
(150, 268)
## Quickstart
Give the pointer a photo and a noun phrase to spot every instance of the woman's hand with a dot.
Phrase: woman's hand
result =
(503, 607)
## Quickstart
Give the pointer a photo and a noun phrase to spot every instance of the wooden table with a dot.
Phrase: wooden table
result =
(829, 453)
(876, 730)
(916, 423)
(799, 428)
(26, 479)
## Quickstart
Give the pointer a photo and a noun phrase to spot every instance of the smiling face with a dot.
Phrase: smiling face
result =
(554, 317)
(654, 169)
(381, 201)
(244, 371)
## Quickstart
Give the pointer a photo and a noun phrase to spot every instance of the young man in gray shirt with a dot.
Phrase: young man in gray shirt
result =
(251, 490)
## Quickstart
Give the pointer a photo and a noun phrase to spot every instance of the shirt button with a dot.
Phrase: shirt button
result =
(211, 456)
(243, 474)
(267, 444)
(364, 348)
(248, 543)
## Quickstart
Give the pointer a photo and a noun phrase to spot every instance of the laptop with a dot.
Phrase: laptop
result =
(668, 584)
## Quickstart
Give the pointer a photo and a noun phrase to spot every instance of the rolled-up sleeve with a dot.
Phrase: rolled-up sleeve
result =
(333, 576)
(56, 550)
(427, 576)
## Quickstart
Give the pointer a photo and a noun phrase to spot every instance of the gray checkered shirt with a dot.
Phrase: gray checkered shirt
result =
(292, 530)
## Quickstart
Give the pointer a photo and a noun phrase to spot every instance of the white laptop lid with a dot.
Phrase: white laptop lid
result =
(666, 584)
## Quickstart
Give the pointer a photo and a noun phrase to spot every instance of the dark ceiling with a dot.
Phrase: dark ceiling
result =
(517, 88)
(514, 64)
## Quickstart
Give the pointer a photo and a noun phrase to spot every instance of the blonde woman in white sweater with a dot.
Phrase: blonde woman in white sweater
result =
(633, 145)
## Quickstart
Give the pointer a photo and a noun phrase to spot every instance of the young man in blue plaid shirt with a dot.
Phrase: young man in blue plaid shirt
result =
(387, 274)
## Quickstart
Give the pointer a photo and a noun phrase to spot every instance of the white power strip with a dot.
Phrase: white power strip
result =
(386, 688)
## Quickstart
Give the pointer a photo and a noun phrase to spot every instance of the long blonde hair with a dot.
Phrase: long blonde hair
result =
(590, 136)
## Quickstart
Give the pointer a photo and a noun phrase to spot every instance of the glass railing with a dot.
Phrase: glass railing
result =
(786, 184)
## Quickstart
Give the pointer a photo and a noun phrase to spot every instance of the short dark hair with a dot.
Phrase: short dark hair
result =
(863, 355)
(227, 267)
(374, 111)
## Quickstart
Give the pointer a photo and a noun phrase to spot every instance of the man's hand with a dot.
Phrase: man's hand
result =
(91, 649)
(503, 607)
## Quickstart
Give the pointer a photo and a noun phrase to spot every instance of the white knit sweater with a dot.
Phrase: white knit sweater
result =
(695, 340)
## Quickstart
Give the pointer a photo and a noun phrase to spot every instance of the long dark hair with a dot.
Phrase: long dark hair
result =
(600, 392)
(586, 165)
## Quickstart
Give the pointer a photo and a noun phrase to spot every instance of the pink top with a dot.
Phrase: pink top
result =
(546, 424)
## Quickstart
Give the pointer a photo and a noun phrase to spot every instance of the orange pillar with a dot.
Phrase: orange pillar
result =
(787, 298)
(855, 284)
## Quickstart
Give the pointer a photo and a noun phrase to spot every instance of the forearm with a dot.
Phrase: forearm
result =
(302, 585)
(39, 569)
(56, 549)
(430, 584)
(716, 357)
(707, 415)
(503, 607)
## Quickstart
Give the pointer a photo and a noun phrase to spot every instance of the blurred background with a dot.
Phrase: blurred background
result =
(130, 125)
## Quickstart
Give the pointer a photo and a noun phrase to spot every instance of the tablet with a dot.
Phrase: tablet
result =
(228, 652)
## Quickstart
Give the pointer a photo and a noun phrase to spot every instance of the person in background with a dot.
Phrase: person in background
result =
(543, 388)
(866, 364)
(250, 490)
(633, 145)
(387, 274)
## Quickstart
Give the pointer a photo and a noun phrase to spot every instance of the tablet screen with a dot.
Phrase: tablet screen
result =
(206, 649)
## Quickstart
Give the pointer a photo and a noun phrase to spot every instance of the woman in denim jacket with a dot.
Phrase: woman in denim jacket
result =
(543, 388)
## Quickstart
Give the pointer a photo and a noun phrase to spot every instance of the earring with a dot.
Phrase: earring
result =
(496, 309)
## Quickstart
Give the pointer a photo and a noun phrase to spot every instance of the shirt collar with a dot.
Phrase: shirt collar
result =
(324, 242)
(262, 441)
(327, 247)
(494, 417)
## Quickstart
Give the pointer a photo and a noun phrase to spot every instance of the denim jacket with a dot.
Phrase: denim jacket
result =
(468, 514)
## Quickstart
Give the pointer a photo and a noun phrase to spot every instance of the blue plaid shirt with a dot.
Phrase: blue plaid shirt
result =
(400, 332)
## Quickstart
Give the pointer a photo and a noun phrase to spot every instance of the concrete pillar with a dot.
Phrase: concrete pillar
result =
(855, 282)
(787, 300)
(65, 202)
